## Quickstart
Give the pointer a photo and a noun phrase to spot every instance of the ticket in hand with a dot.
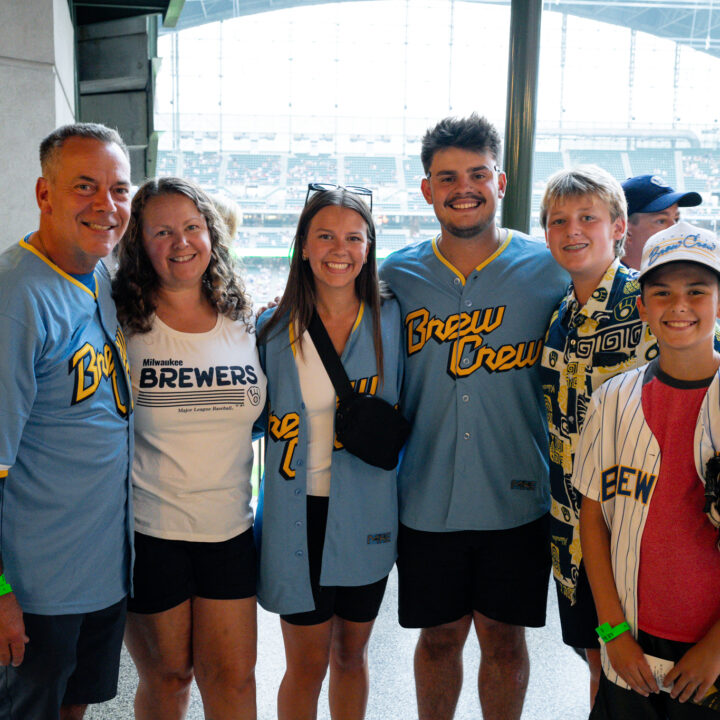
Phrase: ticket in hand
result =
(660, 668)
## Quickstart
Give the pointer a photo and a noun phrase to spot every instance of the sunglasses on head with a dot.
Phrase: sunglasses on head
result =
(365, 194)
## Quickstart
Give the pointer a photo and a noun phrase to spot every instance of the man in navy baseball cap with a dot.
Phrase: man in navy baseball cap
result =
(652, 206)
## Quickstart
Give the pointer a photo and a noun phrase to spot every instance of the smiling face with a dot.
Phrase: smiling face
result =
(177, 241)
(680, 302)
(582, 236)
(464, 187)
(641, 226)
(336, 246)
(84, 203)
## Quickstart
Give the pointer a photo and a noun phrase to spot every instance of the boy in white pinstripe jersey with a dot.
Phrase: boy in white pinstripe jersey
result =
(649, 548)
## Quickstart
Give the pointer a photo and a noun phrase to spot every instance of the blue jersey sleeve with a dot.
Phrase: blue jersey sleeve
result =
(18, 387)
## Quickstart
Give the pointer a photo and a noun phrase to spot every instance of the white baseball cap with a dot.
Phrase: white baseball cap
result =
(681, 242)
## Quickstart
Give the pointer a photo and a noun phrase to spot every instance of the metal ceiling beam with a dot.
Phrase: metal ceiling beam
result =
(86, 12)
(684, 21)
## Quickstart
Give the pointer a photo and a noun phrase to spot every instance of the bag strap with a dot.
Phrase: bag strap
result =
(328, 355)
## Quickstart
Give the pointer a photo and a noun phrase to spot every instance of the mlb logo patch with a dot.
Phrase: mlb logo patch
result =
(522, 484)
(378, 538)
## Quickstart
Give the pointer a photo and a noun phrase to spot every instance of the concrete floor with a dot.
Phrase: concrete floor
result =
(558, 678)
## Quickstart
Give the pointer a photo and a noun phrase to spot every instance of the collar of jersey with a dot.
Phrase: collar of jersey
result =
(58, 270)
(483, 264)
(356, 325)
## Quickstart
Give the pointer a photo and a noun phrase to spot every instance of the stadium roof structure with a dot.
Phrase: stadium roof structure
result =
(690, 22)
(85, 12)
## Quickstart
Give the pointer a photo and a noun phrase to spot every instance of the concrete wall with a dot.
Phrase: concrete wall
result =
(37, 91)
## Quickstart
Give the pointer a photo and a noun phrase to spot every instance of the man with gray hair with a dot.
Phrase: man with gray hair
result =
(66, 443)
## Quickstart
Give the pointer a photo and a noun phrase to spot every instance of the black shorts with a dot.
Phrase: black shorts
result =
(168, 572)
(578, 621)
(613, 702)
(70, 660)
(357, 604)
(502, 574)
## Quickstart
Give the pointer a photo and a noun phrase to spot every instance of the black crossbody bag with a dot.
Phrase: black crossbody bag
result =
(369, 427)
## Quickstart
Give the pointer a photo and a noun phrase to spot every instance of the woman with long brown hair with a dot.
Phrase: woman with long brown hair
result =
(327, 520)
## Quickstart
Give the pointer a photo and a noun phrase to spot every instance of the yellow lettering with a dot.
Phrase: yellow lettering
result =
(472, 343)
(452, 325)
(285, 428)
(485, 321)
(87, 378)
(286, 469)
(416, 322)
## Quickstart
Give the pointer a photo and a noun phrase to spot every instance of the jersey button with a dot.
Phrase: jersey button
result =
(298, 553)
(299, 463)
(467, 436)
(456, 281)
(465, 362)
(298, 523)
(466, 398)
(468, 303)
(298, 491)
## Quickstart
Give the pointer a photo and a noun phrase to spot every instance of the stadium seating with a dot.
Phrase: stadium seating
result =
(610, 160)
(370, 171)
(655, 161)
(275, 184)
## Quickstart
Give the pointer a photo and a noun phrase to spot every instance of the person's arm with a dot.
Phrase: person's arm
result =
(17, 394)
(12, 629)
(624, 653)
(697, 670)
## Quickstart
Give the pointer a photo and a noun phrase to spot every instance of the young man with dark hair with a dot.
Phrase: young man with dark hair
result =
(474, 497)
(66, 440)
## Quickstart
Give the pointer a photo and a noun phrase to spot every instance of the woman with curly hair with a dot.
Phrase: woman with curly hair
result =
(198, 389)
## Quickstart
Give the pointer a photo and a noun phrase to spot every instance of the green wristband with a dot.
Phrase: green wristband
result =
(5, 588)
(607, 633)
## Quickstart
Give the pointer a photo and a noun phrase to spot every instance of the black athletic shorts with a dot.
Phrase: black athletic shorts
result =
(358, 603)
(613, 702)
(578, 621)
(502, 574)
(70, 660)
(168, 572)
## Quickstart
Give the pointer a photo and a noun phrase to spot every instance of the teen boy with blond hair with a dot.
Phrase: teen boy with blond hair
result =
(595, 333)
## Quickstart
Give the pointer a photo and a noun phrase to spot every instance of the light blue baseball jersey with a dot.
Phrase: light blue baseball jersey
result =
(66, 440)
(477, 454)
(361, 535)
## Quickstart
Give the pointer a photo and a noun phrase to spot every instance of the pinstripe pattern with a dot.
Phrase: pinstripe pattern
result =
(616, 434)
(707, 440)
